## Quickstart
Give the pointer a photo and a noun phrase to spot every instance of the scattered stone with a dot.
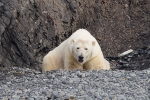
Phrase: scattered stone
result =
(132, 74)
(61, 84)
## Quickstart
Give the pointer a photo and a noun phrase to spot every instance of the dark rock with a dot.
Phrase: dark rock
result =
(137, 60)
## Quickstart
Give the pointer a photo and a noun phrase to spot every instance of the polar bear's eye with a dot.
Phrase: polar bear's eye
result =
(78, 48)
(86, 48)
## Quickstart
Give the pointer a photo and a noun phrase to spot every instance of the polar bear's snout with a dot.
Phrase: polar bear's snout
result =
(80, 59)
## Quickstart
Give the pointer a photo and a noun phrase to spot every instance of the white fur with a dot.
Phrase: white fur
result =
(66, 54)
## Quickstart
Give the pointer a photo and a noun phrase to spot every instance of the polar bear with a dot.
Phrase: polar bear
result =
(80, 51)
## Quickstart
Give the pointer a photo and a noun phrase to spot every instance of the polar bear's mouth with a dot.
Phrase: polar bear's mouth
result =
(80, 60)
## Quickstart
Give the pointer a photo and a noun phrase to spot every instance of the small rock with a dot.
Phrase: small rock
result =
(18, 92)
(70, 81)
(83, 75)
(121, 97)
(8, 83)
(132, 74)
(97, 95)
(15, 97)
(148, 71)
(1, 4)
(5, 98)
(37, 72)
(30, 99)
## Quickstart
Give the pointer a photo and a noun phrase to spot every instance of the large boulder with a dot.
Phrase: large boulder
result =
(30, 28)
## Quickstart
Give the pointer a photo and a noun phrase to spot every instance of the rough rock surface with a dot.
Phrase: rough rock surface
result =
(30, 28)
(136, 60)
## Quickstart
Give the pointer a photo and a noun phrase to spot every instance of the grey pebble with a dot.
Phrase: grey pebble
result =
(97, 95)
(83, 75)
(31, 98)
(1, 4)
(18, 92)
(5, 98)
(148, 71)
(8, 82)
(86, 85)
(121, 97)
(132, 74)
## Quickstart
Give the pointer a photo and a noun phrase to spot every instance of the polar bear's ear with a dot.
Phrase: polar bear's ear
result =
(93, 43)
(72, 41)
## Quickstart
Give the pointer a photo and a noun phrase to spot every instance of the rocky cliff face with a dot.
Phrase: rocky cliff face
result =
(30, 28)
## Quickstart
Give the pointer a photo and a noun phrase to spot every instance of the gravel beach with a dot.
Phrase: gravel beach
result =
(28, 84)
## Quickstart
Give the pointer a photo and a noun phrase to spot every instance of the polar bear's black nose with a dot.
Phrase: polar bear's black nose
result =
(81, 57)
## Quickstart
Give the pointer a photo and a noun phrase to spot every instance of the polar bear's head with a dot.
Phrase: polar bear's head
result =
(82, 50)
